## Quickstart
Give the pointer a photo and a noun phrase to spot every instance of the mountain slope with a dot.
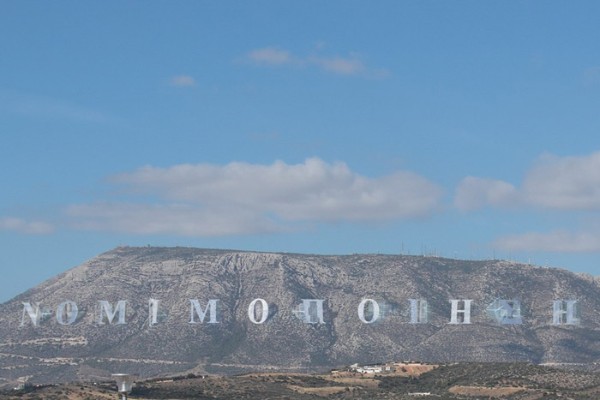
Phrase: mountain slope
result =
(51, 351)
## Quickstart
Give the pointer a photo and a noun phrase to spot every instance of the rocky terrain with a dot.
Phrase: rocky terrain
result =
(53, 343)
(510, 381)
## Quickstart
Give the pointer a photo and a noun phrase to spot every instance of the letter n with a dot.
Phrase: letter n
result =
(33, 312)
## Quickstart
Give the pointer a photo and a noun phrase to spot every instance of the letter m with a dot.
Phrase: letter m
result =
(196, 309)
(105, 309)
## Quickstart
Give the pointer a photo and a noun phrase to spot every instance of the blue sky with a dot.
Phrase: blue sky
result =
(462, 129)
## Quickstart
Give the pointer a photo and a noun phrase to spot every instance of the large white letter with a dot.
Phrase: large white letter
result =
(153, 311)
(310, 311)
(374, 311)
(196, 309)
(505, 312)
(418, 311)
(33, 312)
(107, 309)
(564, 312)
(264, 311)
(465, 312)
(69, 309)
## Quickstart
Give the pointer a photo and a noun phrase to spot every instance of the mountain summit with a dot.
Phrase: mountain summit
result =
(155, 311)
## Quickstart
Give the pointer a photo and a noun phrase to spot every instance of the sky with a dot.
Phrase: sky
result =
(466, 129)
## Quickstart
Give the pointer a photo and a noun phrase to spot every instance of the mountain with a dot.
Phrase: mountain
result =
(157, 311)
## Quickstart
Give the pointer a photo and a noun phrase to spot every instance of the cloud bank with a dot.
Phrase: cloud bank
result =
(567, 183)
(182, 81)
(559, 241)
(560, 184)
(243, 198)
(27, 227)
(36, 106)
(350, 65)
(270, 56)
(474, 193)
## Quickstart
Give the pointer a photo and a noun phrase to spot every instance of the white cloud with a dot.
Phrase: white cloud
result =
(553, 183)
(340, 65)
(474, 193)
(564, 183)
(208, 199)
(350, 65)
(178, 219)
(568, 183)
(27, 227)
(555, 241)
(35, 106)
(182, 81)
(270, 56)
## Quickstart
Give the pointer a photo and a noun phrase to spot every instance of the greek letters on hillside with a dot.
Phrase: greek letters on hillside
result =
(309, 311)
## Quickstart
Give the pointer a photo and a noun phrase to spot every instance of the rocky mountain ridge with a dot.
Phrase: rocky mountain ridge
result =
(132, 310)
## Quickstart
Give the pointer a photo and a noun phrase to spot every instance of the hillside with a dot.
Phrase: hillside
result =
(510, 381)
(79, 345)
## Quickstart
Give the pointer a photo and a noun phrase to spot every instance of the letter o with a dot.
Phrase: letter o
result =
(68, 308)
(361, 311)
(252, 311)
